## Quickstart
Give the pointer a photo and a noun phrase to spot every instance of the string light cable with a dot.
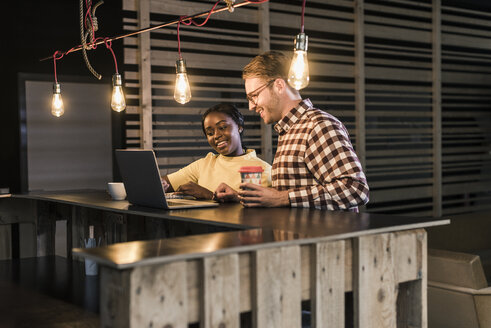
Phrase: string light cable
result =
(118, 102)
(298, 75)
(182, 89)
(88, 27)
(156, 27)
(57, 108)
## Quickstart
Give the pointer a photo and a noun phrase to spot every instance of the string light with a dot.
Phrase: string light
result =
(118, 103)
(182, 91)
(298, 75)
(57, 108)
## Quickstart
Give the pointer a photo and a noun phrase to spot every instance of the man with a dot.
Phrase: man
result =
(315, 164)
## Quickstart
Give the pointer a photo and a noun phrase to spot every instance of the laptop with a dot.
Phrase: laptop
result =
(143, 184)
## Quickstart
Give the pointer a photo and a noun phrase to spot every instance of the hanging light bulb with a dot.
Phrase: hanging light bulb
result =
(298, 76)
(182, 90)
(57, 108)
(118, 103)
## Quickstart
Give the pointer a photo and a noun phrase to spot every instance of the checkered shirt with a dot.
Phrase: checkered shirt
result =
(316, 162)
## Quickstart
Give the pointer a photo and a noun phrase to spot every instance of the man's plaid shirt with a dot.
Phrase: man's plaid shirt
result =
(316, 161)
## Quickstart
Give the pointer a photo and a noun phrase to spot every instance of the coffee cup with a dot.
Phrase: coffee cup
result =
(116, 190)
(251, 174)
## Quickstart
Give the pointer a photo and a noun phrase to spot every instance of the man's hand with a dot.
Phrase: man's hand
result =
(195, 190)
(253, 195)
(225, 193)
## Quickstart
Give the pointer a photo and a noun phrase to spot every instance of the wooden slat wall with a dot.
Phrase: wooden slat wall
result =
(466, 112)
(214, 54)
(398, 113)
(398, 68)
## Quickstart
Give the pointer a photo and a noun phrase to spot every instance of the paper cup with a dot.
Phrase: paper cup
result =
(251, 174)
(116, 190)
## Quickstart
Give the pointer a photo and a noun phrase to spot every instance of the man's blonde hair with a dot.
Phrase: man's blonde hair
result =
(269, 65)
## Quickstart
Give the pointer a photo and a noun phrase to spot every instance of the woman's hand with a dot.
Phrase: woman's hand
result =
(195, 190)
(166, 184)
(225, 193)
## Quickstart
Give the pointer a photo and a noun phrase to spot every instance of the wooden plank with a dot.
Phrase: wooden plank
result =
(390, 8)
(312, 23)
(27, 238)
(411, 253)
(473, 42)
(360, 91)
(396, 33)
(404, 193)
(472, 78)
(114, 297)
(5, 242)
(328, 272)
(194, 280)
(277, 287)
(294, 9)
(398, 74)
(437, 109)
(144, 63)
(158, 296)
(374, 285)
(264, 45)
(46, 227)
(183, 8)
(24, 213)
(221, 291)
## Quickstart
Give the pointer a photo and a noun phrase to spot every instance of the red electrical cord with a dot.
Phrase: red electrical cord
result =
(108, 44)
(191, 21)
(54, 62)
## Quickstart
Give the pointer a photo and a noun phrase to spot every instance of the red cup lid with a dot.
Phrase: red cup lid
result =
(251, 169)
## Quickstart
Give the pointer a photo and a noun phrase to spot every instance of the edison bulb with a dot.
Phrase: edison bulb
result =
(182, 90)
(118, 102)
(57, 108)
(298, 75)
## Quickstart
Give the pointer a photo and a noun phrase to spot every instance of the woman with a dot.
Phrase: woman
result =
(223, 125)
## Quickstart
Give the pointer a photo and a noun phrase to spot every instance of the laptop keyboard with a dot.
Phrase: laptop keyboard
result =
(173, 195)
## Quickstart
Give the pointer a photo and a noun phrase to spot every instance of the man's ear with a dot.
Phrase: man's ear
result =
(280, 85)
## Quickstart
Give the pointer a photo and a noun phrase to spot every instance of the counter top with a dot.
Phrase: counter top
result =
(262, 226)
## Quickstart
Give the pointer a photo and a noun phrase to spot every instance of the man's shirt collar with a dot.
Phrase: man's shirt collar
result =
(292, 116)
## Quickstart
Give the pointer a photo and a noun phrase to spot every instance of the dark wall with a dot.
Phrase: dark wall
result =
(36, 29)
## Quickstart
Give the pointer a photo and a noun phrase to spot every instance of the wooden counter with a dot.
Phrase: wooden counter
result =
(263, 260)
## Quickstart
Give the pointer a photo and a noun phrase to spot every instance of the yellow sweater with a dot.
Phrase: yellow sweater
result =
(214, 169)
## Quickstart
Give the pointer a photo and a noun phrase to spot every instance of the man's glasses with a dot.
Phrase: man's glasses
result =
(252, 96)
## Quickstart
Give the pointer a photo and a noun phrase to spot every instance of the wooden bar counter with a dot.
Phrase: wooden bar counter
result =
(267, 261)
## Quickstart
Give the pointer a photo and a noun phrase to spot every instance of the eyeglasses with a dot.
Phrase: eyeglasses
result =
(252, 96)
